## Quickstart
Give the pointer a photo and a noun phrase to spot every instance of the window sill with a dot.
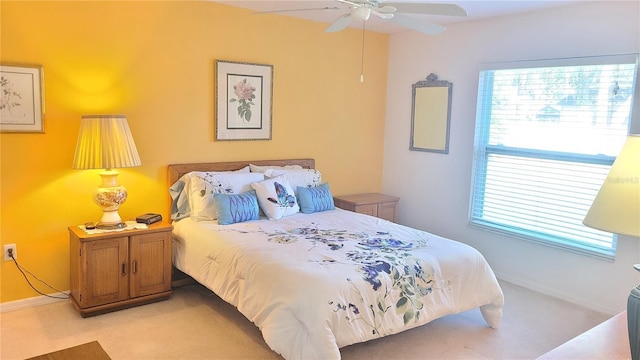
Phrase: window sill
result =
(601, 254)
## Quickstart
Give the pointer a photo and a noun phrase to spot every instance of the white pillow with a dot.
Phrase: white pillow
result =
(202, 185)
(276, 197)
(261, 169)
(306, 178)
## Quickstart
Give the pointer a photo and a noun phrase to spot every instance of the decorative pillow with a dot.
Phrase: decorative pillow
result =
(306, 178)
(262, 169)
(236, 208)
(276, 197)
(203, 185)
(315, 199)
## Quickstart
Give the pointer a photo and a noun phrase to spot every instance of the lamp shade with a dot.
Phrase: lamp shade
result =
(616, 208)
(105, 142)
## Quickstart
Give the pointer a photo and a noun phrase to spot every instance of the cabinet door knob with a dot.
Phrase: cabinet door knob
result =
(124, 269)
(135, 266)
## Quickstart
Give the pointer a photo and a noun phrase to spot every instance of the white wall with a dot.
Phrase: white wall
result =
(435, 188)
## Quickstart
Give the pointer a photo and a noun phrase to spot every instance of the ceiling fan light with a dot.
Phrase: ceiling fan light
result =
(361, 13)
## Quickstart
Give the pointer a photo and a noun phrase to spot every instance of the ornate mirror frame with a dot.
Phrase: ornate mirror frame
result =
(431, 115)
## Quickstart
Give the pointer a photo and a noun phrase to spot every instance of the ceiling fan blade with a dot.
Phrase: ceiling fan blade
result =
(340, 24)
(422, 26)
(326, 8)
(429, 9)
(385, 9)
(351, 3)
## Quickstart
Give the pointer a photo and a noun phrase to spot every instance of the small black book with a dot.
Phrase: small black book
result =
(149, 218)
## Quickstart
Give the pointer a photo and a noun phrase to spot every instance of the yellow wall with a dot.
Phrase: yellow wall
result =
(153, 61)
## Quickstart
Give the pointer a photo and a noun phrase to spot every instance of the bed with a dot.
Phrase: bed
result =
(316, 281)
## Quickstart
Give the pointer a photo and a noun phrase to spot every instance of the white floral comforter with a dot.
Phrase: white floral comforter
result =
(316, 282)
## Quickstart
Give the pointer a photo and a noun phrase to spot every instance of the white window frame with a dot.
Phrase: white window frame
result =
(483, 150)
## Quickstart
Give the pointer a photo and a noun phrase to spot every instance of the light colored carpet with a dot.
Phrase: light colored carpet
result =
(196, 324)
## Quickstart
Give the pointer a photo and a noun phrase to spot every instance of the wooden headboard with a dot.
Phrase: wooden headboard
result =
(177, 170)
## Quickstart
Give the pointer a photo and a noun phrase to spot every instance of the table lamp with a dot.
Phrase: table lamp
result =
(105, 142)
(616, 209)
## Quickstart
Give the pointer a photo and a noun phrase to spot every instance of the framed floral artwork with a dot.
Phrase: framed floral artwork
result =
(244, 94)
(21, 98)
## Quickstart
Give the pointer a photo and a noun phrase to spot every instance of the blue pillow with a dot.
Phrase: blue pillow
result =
(315, 199)
(235, 208)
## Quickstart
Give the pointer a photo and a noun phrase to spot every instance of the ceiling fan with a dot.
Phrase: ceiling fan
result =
(395, 13)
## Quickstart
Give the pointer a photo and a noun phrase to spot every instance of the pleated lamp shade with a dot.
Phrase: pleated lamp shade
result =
(105, 142)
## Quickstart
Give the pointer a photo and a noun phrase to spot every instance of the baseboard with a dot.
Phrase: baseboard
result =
(556, 294)
(27, 303)
(44, 300)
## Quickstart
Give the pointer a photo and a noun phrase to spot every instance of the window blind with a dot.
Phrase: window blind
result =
(547, 133)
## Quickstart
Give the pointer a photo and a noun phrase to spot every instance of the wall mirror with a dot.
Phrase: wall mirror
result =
(430, 115)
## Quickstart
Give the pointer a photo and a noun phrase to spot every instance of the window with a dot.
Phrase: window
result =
(547, 133)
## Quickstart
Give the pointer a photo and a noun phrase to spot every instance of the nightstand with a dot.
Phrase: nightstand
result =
(119, 269)
(374, 204)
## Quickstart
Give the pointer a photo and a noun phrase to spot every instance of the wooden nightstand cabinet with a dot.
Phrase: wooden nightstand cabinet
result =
(115, 270)
(374, 204)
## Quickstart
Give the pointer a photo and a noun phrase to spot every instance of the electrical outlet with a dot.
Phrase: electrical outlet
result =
(11, 247)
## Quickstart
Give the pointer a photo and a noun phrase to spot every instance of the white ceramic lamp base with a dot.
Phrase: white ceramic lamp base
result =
(109, 197)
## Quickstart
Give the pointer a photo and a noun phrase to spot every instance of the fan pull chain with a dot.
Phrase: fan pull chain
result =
(364, 24)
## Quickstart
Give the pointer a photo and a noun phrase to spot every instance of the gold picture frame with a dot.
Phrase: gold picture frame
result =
(21, 98)
(244, 94)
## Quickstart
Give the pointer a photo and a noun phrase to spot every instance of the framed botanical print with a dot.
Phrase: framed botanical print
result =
(21, 98)
(244, 94)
